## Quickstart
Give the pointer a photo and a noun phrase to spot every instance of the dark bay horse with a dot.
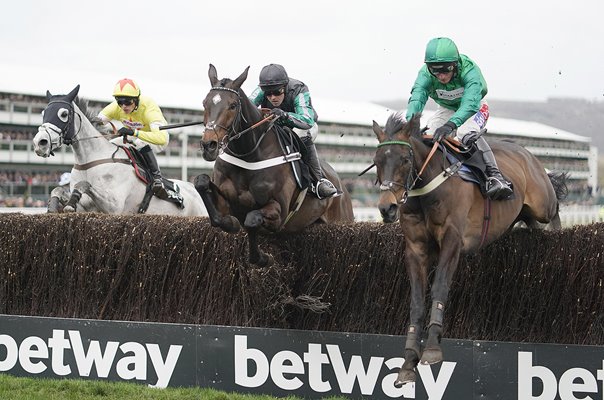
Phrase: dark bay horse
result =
(252, 184)
(450, 219)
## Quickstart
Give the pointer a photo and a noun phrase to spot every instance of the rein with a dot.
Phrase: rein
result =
(430, 186)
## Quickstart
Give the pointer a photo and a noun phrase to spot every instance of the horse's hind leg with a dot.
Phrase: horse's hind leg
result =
(227, 223)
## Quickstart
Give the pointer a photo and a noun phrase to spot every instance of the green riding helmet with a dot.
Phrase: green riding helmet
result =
(441, 50)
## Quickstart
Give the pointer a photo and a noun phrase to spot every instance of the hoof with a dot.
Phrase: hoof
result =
(404, 376)
(68, 209)
(431, 356)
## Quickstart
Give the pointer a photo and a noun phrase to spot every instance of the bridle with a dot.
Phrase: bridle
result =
(412, 176)
(232, 133)
(67, 127)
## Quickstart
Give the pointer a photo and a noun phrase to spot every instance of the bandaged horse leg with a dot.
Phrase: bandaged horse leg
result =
(416, 260)
(54, 205)
(448, 259)
(80, 188)
(412, 355)
(433, 353)
(227, 223)
(57, 200)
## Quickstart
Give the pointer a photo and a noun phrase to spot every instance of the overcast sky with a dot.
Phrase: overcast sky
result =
(357, 50)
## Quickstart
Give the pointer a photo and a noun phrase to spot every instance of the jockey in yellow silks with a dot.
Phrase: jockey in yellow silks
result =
(141, 118)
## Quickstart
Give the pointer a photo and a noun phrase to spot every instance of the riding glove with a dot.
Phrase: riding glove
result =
(279, 114)
(444, 131)
(124, 131)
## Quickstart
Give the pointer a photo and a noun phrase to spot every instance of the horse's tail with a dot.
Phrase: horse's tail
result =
(558, 180)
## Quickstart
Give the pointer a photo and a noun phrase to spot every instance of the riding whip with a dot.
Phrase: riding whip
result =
(164, 127)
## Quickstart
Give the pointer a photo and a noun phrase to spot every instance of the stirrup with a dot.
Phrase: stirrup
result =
(329, 190)
(498, 189)
(158, 187)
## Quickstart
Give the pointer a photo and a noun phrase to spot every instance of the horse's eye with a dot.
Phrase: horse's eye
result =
(63, 114)
(233, 106)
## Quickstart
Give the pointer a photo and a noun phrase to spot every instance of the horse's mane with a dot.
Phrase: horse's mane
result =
(396, 123)
(93, 118)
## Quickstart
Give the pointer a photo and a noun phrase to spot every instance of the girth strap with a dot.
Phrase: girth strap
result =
(83, 167)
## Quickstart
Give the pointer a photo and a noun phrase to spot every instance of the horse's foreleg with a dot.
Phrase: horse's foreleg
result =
(80, 188)
(447, 265)
(227, 223)
(268, 217)
(416, 262)
(257, 256)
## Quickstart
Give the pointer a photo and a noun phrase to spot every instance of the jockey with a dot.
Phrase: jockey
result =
(141, 118)
(60, 195)
(289, 100)
(457, 86)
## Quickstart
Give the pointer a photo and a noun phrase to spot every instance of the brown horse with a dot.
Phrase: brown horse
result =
(450, 219)
(243, 189)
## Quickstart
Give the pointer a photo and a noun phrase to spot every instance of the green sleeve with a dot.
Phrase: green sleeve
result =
(419, 93)
(257, 96)
(302, 110)
(474, 91)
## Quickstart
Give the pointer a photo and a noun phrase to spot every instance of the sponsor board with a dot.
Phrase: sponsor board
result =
(286, 362)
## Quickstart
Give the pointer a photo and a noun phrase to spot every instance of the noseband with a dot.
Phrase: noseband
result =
(392, 186)
(66, 128)
(232, 133)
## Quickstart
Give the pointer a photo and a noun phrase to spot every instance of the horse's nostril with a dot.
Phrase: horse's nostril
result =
(43, 142)
(211, 146)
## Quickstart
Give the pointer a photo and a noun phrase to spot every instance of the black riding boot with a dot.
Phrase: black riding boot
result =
(323, 188)
(158, 185)
(497, 187)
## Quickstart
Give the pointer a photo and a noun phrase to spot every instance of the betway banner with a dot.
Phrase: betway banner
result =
(284, 362)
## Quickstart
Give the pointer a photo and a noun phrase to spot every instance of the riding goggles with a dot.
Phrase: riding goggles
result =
(441, 68)
(124, 101)
(274, 92)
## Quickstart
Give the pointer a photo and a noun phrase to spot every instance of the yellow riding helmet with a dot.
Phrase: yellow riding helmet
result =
(126, 88)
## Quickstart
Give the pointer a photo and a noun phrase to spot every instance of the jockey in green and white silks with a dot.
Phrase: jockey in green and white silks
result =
(289, 100)
(458, 87)
(298, 105)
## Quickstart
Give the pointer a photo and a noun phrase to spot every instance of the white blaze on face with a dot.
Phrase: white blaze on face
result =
(216, 99)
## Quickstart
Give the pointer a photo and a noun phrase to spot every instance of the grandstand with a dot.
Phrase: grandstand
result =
(346, 140)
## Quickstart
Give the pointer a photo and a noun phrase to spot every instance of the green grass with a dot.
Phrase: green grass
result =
(13, 388)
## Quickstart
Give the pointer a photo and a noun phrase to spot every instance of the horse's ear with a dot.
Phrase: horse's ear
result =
(48, 95)
(379, 132)
(72, 95)
(239, 81)
(213, 75)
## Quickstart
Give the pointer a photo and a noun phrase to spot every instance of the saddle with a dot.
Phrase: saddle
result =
(290, 143)
(142, 172)
(473, 167)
